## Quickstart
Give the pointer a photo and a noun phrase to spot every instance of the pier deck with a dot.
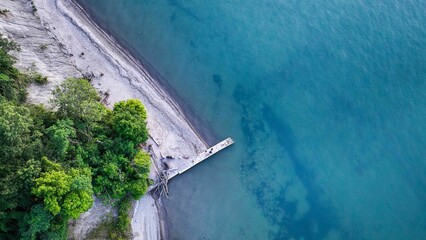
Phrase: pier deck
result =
(185, 165)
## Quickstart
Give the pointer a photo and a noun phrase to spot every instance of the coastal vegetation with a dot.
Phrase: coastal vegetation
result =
(39, 79)
(52, 162)
(114, 228)
(43, 47)
(4, 11)
(33, 7)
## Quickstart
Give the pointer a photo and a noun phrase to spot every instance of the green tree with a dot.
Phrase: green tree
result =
(129, 121)
(29, 172)
(78, 101)
(13, 84)
(68, 193)
(110, 175)
(142, 163)
(15, 137)
(15, 124)
(8, 88)
(118, 176)
(61, 134)
(35, 222)
(79, 199)
(6, 64)
(52, 186)
(138, 184)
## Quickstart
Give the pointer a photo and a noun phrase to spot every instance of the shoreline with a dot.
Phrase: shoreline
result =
(155, 225)
(151, 75)
(77, 46)
(195, 123)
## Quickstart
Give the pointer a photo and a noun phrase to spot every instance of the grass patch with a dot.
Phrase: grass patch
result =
(39, 79)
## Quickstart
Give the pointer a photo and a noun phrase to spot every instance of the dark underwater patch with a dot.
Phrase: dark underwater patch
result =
(178, 5)
(318, 213)
(272, 201)
(217, 79)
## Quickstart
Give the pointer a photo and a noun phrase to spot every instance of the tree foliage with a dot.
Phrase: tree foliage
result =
(139, 183)
(15, 125)
(8, 45)
(52, 162)
(129, 121)
(60, 138)
(13, 84)
(68, 193)
(78, 101)
(35, 222)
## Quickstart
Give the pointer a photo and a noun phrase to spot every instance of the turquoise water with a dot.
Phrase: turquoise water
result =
(326, 101)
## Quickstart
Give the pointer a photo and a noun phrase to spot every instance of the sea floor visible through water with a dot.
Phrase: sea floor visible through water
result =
(325, 101)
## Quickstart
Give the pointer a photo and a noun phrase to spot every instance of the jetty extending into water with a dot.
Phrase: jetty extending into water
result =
(176, 167)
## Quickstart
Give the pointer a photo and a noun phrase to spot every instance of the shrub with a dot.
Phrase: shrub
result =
(123, 219)
(39, 79)
(43, 47)
(4, 11)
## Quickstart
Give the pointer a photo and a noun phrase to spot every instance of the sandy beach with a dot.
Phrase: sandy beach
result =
(76, 46)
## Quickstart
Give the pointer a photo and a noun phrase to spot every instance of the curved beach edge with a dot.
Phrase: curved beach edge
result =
(77, 46)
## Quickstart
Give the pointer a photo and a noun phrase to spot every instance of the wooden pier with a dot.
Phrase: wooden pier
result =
(185, 165)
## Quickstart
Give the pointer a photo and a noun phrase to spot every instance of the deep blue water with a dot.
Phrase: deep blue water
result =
(326, 101)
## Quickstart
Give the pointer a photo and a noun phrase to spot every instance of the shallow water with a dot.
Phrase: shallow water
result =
(326, 101)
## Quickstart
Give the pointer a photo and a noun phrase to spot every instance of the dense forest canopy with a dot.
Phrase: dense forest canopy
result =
(52, 162)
